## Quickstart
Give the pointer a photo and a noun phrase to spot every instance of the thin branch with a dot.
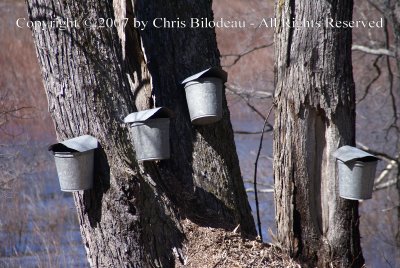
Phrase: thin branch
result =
(385, 156)
(246, 100)
(379, 72)
(255, 174)
(391, 78)
(257, 94)
(13, 110)
(242, 132)
(392, 165)
(390, 208)
(258, 183)
(372, 3)
(374, 51)
(9, 110)
(393, 162)
(385, 185)
(263, 191)
(239, 56)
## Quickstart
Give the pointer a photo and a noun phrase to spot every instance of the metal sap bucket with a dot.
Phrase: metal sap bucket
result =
(356, 170)
(150, 132)
(204, 95)
(74, 162)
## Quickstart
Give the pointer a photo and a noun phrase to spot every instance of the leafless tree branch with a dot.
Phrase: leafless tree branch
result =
(259, 183)
(392, 164)
(390, 167)
(391, 78)
(250, 190)
(254, 94)
(242, 132)
(382, 155)
(385, 185)
(373, 4)
(374, 51)
(379, 72)
(239, 56)
(246, 98)
(255, 173)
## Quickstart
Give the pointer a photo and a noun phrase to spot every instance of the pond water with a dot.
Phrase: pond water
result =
(40, 228)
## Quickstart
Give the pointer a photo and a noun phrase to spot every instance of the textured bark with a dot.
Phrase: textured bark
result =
(391, 10)
(396, 25)
(94, 77)
(394, 12)
(314, 115)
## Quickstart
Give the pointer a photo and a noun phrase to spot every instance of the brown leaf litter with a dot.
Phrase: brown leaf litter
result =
(212, 247)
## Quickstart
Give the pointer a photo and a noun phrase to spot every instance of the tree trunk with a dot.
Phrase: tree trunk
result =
(396, 25)
(391, 10)
(395, 18)
(93, 78)
(314, 115)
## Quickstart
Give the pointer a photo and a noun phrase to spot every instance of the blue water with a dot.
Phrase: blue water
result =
(50, 236)
(39, 226)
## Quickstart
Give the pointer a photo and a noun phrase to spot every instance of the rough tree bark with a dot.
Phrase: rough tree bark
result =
(94, 77)
(395, 18)
(314, 115)
(393, 9)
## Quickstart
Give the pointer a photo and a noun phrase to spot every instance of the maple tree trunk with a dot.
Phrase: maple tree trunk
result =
(395, 18)
(314, 115)
(93, 78)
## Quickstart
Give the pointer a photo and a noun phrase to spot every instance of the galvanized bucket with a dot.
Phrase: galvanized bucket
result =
(356, 170)
(150, 132)
(74, 162)
(204, 95)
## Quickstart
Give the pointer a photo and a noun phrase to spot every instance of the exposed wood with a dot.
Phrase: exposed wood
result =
(314, 115)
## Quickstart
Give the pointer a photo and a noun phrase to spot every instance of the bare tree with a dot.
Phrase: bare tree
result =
(314, 115)
(395, 18)
(9, 110)
(93, 77)
(390, 10)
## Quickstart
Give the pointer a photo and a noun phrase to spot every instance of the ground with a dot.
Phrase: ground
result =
(213, 247)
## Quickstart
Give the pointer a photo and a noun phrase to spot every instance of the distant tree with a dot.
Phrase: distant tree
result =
(314, 115)
(391, 10)
(93, 77)
(10, 111)
(395, 18)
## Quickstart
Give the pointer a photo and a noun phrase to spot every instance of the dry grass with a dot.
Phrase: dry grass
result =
(210, 247)
(38, 226)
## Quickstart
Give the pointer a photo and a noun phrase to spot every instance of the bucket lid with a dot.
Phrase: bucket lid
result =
(348, 153)
(80, 144)
(211, 72)
(143, 116)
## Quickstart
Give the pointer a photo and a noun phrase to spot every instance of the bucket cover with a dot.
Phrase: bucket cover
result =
(348, 153)
(143, 116)
(80, 144)
(210, 72)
